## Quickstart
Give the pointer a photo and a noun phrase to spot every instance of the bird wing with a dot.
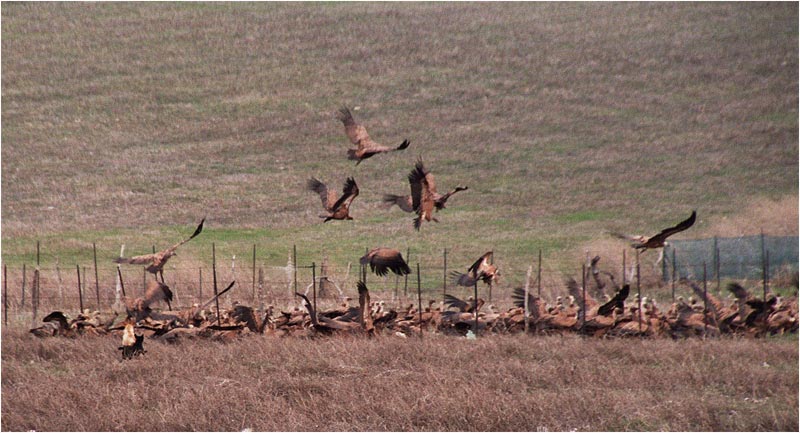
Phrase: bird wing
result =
(481, 265)
(355, 131)
(465, 280)
(402, 201)
(137, 260)
(349, 192)
(415, 179)
(618, 301)
(156, 291)
(683, 225)
(451, 301)
(197, 231)
(632, 238)
(328, 197)
(381, 260)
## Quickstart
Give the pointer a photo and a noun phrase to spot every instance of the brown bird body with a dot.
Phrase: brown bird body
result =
(140, 307)
(365, 146)
(405, 202)
(482, 270)
(382, 260)
(423, 191)
(339, 209)
(658, 240)
(159, 259)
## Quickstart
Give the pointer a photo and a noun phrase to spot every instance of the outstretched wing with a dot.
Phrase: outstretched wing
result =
(355, 132)
(480, 265)
(618, 301)
(328, 197)
(381, 260)
(349, 192)
(137, 260)
(664, 234)
(451, 301)
(465, 280)
(156, 291)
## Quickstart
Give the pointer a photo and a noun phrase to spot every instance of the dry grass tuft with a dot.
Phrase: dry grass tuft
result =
(440, 383)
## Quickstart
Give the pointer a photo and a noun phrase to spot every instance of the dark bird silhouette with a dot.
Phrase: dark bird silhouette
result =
(381, 260)
(159, 259)
(618, 301)
(339, 209)
(657, 241)
(365, 146)
(482, 270)
(467, 306)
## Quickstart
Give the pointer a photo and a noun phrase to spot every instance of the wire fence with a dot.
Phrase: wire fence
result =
(103, 286)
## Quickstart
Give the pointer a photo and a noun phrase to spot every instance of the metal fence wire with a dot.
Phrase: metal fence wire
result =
(738, 258)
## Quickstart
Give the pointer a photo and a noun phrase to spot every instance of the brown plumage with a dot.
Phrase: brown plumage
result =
(657, 241)
(482, 270)
(358, 135)
(467, 306)
(381, 260)
(339, 209)
(618, 301)
(159, 259)
(406, 204)
(423, 191)
(140, 307)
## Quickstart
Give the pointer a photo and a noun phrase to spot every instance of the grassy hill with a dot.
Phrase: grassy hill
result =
(127, 123)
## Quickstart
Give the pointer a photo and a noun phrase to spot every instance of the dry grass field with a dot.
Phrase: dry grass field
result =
(125, 123)
(440, 383)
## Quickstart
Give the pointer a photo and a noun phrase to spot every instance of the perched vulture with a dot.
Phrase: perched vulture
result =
(358, 135)
(381, 260)
(657, 241)
(339, 209)
(159, 259)
(468, 306)
(482, 269)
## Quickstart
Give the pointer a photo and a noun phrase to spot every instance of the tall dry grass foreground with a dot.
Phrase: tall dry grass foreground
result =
(499, 383)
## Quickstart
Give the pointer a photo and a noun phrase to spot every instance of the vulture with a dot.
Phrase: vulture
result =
(381, 260)
(405, 203)
(467, 306)
(365, 147)
(55, 324)
(132, 344)
(159, 259)
(139, 308)
(657, 241)
(482, 269)
(338, 208)
(618, 301)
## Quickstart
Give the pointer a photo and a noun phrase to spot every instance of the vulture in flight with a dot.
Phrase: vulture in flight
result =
(139, 308)
(423, 191)
(405, 203)
(338, 208)
(657, 241)
(382, 260)
(159, 259)
(358, 135)
(482, 269)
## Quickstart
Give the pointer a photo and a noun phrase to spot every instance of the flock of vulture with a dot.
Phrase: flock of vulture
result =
(577, 312)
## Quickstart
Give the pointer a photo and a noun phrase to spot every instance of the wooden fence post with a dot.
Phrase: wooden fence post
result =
(80, 291)
(527, 307)
(405, 284)
(705, 303)
(539, 276)
(475, 308)
(444, 275)
(583, 298)
(254, 273)
(674, 274)
(96, 279)
(35, 296)
(214, 275)
(24, 278)
(314, 284)
(5, 294)
(639, 290)
(419, 300)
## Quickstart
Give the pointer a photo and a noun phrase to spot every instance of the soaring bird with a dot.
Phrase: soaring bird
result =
(139, 308)
(358, 135)
(423, 190)
(159, 259)
(381, 260)
(482, 270)
(657, 241)
(339, 209)
(405, 203)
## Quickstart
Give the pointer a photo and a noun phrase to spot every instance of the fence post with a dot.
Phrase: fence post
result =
(254, 273)
(716, 262)
(624, 271)
(314, 283)
(766, 274)
(444, 275)
(200, 286)
(674, 274)
(294, 265)
(80, 292)
(705, 303)
(639, 290)
(583, 298)
(475, 308)
(60, 286)
(214, 277)
(96, 282)
(121, 283)
(763, 265)
(527, 286)
(5, 294)
(405, 283)
(24, 278)
(539, 276)
(144, 280)
(35, 296)
(419, 300)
